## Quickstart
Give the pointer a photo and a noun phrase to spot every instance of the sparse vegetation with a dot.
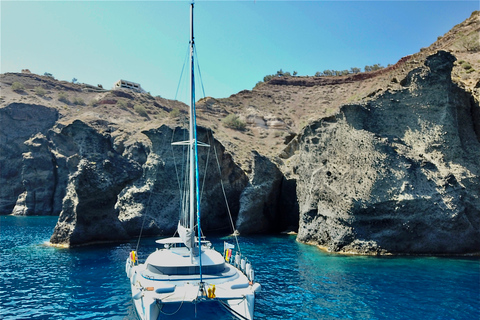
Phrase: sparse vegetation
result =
(280, 73)
(78, 101)
(39, 91)
(175, 113)
(233, 121)
(63, 97)
(470, 42)
(355, 70)
(122, 104)
(278, 133)
(141, 110)
(466, 66)
(258, 84)
(148, 96)
(268, 77)
(326, 73)
(334, 73)
(375, 67)
(18, 87)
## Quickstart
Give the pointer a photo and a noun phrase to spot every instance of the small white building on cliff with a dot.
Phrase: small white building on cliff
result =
(124, 84)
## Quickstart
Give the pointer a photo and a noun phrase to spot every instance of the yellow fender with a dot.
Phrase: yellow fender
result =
(132, 256)
(211, 292)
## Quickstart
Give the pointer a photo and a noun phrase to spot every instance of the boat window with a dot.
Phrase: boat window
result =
(186, 270)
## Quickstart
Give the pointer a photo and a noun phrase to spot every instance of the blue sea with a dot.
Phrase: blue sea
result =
(298, 281)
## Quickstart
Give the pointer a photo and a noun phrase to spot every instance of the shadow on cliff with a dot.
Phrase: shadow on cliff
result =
(25, 193)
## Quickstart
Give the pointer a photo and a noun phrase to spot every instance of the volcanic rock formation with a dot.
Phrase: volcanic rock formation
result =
(399, 174)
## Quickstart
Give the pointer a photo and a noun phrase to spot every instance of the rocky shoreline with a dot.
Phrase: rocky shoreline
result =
(395, 172)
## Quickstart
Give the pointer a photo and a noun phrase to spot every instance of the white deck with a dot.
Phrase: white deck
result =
(153, 291)
(180, 257)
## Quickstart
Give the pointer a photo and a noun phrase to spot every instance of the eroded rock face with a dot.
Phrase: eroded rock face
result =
(88, 212)
(266, 202)
(400, 174)
(18, 123)
(397, 174)
(154, 200)
(38, 178)
(104, 190)
(260, 199)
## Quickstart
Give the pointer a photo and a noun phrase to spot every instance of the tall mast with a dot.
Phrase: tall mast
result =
(194, 182)
(192, 134)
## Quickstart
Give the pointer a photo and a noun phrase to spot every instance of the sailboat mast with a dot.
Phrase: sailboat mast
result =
(192, 133)
(194, 182)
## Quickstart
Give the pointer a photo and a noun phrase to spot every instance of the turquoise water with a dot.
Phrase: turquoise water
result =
(298, 281)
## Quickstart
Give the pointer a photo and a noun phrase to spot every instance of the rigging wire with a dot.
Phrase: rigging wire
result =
(216, 158)
(205, 173)
(185, 61)
(225, 197)
(199, 73)
(203, 91)
(147, 206)
(211, 142)
(182, 186)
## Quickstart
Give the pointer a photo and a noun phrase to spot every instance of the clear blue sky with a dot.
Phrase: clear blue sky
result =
(238, 42)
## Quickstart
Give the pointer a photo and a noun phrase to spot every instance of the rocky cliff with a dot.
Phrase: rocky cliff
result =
(97, 175)
(26, 172)
(154, 200)
(397, 174)
(105, 188)
(382, 162)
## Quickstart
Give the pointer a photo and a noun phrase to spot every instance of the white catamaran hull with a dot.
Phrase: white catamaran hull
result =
(182, 298)
(151, 308)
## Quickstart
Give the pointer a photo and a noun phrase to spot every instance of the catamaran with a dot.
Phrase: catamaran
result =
(188, 276)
